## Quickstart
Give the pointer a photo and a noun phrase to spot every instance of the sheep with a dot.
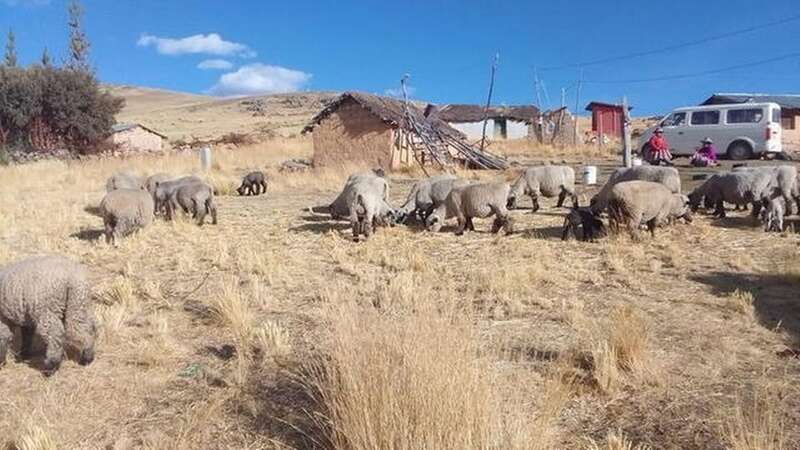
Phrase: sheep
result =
(340, 207)
(368, 210)
(547, 181)
(419, 201)
(164, 190)
(49, 296)
(474, 200)
(124, 180)
(197, 198)
(739, 187)
(254, 183)
(668, 176)
(784, 182)
(154, 180)
(635, 202)
(125, 211)
(772, 214)
(582, 217)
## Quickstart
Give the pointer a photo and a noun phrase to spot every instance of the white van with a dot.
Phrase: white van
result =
(739, 131)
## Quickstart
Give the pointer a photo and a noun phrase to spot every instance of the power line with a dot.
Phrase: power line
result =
(697, 74)
(676, 46)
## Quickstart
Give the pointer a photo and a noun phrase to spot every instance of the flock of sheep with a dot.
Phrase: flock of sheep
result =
(49, 296)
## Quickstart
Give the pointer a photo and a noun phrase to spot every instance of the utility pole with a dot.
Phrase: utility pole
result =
(563, 97)
(626, 133)
(536, 84)
(489, 99)
(577, 105)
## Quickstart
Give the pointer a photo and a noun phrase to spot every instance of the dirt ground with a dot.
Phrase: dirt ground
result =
(717, 301)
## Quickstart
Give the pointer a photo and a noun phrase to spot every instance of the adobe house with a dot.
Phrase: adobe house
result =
(374, 131)
(136, 137)
(790, 110)
(502, 122)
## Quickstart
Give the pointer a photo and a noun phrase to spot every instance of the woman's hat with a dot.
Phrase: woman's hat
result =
(659, 130)
(707, 141)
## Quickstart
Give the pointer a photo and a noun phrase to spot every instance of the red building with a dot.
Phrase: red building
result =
(607, 118)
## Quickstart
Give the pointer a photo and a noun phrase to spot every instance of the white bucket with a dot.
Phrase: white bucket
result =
(590, 175)
(637, 162)
(205, 158)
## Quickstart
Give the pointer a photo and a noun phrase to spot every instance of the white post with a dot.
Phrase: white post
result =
(205, 158)
(626, 133)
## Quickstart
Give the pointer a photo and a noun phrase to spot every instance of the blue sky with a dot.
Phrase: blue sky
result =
(446, 46)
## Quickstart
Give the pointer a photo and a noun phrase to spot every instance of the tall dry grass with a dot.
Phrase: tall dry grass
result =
(757, 421)
(415, 379)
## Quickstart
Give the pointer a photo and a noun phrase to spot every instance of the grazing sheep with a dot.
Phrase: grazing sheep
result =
(474, 200)
(48, 296)
(340, 207)
(584, 218)
(784, 182)
(419, 201)
(668, 176)
(369, 210)
(164, 190)
(772, 214)
(125, 211)
(124, 180)
(152, 182)
(635, 202)
(547, 181)
(739, 187)
(254, 183)
(194, 198)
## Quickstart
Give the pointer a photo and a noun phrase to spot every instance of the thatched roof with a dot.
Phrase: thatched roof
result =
(120, 127)
(475, 113)
(390, 111)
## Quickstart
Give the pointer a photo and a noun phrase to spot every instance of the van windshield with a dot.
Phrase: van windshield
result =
(676, 119)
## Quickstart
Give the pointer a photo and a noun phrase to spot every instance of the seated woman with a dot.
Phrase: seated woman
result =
(659, 149)
(706, 155)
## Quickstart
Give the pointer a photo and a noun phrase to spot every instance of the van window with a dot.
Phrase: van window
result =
(776, 115)
(675, 120)
(750, 115)
(705, 117)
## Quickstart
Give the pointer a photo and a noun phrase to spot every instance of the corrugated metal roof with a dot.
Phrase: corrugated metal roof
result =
(120, 127)
(785, 101)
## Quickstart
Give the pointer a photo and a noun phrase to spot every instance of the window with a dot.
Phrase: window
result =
(705, 117)
(787, 123)
(751, 115)
(776, 115)
(675, 120)
(500, 129)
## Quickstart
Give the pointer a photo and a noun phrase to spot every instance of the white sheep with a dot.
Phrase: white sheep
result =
(667, 176)
(194, 198)
(632, 203)
(125, 211)
(124, 180)
(546, 181)
(48, 296)
(474, 200)
(419, 201)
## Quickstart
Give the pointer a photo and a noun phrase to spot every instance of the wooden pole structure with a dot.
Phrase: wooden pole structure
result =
(626, 134)
(489, 100)
(577, 105)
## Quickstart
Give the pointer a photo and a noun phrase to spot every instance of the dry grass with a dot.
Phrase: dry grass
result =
(418, 339)
(741, 302)
(757, 421)
(32, 437)
(616, 440)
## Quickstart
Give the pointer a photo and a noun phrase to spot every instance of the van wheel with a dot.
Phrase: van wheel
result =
(740, 150)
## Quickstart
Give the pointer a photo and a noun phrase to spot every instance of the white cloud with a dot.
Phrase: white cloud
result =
(26, 2)
(254, 79)
(211, 44)
(215, 64)
(398, 92)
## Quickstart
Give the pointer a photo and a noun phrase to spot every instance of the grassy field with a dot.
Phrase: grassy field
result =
(274, 330)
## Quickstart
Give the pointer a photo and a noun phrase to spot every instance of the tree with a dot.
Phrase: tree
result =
(46, 60)
(78, 42)
(10, 59)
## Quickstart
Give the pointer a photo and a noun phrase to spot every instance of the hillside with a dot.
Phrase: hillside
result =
(182, 116)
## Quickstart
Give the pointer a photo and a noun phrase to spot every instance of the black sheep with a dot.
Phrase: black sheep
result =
(254, 183)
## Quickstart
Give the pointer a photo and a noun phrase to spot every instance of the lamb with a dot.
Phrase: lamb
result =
(124, 180)
(547, 181)
(582, 217)
(125, 211)
(772, 214)
(340, 207)
(154, 180)
(164, 190)
(368, 210)
(474, 200)
(635, 202)
(194, 198)
(419, 202)
(254, 183)
(737, 187)
(668, 176)
(51, 297)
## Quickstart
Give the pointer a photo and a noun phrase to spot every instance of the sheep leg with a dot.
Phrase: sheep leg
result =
(535, 201)
(462, 223)
(212, 209)
(51, 330)
(719, 209)
(200, 212)
(561, 197)
(108, 225)
(567, 228)
(263, 187)
(5, 338)
(756, 209)
(651, 226)
(470, 225)
(26, 351)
